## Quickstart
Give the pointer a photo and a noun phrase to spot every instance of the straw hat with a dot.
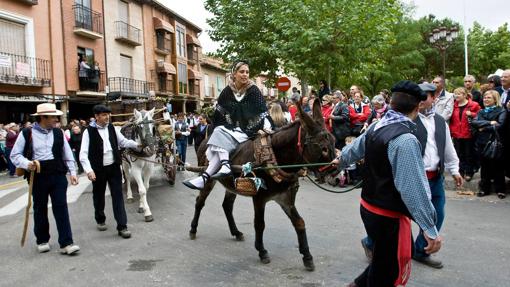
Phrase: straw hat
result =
(47, 109)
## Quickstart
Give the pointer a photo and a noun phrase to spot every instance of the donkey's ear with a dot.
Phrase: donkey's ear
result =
(151, 112)
(317, 112)
(136, 113)
(306, 121)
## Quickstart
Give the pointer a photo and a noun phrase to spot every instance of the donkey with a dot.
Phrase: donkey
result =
(139, 165)
(304, 141)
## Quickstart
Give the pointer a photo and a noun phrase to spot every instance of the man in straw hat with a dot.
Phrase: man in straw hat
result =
(46, 144)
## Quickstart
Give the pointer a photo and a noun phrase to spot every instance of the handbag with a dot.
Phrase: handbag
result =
(493, 148)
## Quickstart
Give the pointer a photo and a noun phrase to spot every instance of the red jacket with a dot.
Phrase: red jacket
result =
(459, 125)
(359, 118)
(293, 111)
(326, 112)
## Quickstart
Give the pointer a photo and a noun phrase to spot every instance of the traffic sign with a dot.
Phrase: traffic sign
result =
(283, 84)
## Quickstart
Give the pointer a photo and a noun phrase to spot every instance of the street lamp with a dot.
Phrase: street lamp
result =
(441, 38)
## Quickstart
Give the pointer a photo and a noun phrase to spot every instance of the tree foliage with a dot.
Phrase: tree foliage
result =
(371, 43)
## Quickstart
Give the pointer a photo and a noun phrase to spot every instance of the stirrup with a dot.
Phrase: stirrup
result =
(219, 175)
(205, 177)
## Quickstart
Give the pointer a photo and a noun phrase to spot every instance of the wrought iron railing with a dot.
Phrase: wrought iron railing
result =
(23, 70)
(126, 87)
(92, 80)
(86, 18)
(127, 32)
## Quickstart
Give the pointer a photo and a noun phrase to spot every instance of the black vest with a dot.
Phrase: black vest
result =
(96, 147)
(378, 181)
(439, 136)
(55, 166)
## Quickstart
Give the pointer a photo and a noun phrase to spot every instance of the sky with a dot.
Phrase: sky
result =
(491, 14)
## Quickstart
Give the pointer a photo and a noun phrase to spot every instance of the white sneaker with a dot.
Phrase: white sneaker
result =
(70, 249)
(43, 247)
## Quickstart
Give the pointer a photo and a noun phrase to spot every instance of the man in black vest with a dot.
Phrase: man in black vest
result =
(101, 160)
(45, 143)
(438, 155)
(394, 190)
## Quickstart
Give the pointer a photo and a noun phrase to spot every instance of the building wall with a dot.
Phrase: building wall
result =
(73, 41)
(39, 18)
(114, 48)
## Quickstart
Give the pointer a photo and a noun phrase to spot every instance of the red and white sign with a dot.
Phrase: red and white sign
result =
(283, 84)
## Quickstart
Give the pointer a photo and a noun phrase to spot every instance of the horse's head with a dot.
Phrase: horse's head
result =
(144, 126)
(315, 143)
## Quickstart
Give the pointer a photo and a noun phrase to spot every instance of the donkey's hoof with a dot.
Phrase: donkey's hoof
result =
(239, 236)
(149, 218)
(141, 210)
(309, 266)
(192, 235)
(130, 200)
(264, 258)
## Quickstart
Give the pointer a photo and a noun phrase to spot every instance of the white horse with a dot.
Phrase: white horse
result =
(139, 165)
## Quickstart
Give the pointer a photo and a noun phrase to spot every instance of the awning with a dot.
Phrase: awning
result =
(160, 24)
(192, 40)
(164, 67)
(192, 74)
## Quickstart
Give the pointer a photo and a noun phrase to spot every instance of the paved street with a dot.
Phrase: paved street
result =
(476, 250)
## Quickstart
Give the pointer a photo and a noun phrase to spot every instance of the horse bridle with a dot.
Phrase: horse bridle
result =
(143, 130)
(309, 140)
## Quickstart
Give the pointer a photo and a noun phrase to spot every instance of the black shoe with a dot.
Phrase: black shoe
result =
(501, 195)
(368, 252)
(125, 233)
(223, 174)
(427, 260)
(205, 177)
(481, 194)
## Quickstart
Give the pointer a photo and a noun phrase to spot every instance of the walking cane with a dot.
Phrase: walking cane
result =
(27, 210)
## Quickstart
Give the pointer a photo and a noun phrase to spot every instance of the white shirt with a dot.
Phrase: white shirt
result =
(108, 158)
(504, 95)
(431, 158)
(444, 105)
(42, 145)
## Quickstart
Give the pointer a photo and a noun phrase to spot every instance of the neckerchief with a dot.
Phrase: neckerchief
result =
(392, 117)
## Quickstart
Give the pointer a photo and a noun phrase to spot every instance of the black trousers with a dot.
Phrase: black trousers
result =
(110, 174)
(55, 187)
(492, 170)
(383, 270)
(466, 152)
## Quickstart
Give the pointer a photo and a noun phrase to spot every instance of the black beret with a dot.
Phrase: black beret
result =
(99, 109)
(410, 88)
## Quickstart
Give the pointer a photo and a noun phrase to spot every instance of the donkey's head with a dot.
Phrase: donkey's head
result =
(315, 143)
(144, 127)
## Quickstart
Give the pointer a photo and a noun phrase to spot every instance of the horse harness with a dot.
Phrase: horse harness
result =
(264, 155)
(132, 131)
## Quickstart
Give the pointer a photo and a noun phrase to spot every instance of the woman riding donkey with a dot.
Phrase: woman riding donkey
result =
(240, 113)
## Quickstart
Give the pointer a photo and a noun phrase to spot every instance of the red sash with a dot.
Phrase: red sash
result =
(404, 240)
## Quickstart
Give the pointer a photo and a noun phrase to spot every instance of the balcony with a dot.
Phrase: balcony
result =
(29, 2)
(24, 71)
(164, 83)
(92, 84)
(127, 34)
(120, 87)
(163, 44)
(87, 23)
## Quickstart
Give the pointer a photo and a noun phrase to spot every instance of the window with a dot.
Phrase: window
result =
(126, 64)
(13, 37)
(84, 3)
(163, 41)
(123, 12)
(220, 84)
(206, 84)
(89, 55)
(193, 52)
(181, 41)
(182, 73)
